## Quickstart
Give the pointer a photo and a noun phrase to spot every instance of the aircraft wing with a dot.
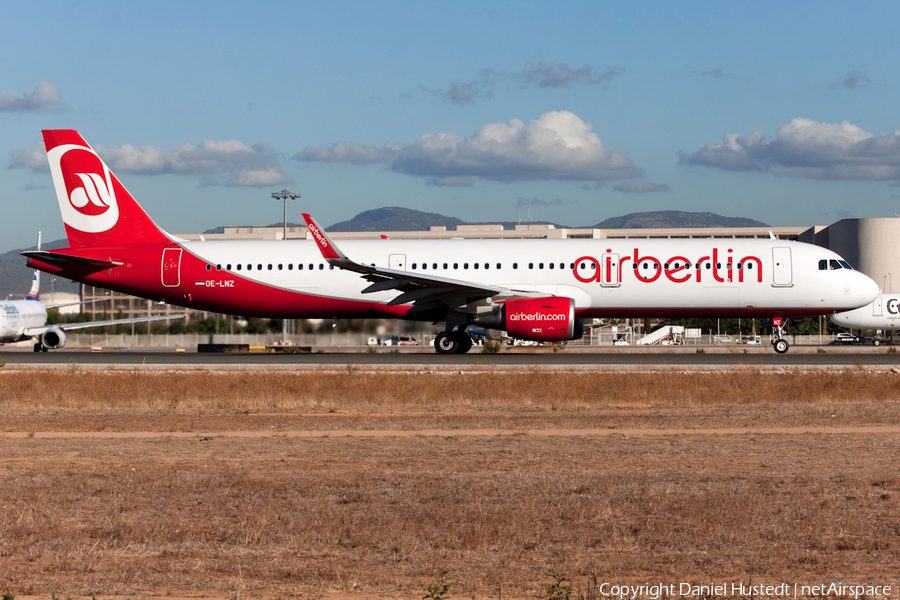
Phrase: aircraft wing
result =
(36, 331)
(421, 290)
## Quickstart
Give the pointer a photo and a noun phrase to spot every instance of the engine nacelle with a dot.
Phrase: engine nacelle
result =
(53, 338)
(550, 319)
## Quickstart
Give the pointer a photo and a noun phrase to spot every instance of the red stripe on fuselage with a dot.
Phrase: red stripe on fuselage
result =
(141, 275)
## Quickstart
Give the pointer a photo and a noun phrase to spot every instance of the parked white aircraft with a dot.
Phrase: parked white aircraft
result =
(22, 320)
(534, 289)
(882, 313)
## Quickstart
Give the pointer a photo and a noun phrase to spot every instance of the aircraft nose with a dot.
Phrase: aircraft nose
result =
(868, 289)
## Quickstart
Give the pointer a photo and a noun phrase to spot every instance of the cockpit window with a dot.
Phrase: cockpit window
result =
(833, 265)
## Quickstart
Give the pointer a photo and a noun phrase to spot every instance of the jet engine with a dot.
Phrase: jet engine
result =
(550, 319)
(53, 338)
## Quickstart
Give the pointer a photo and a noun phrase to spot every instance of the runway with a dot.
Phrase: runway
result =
(155, 358)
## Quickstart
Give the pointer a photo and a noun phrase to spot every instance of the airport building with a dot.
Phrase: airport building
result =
(870, 245)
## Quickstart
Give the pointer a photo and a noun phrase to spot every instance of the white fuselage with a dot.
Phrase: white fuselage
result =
(606, 277)
(882, 313)
(18, 315)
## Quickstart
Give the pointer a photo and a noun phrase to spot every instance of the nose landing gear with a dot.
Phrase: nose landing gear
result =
(780, 344)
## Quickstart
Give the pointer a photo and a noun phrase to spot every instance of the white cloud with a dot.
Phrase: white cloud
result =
(33, 158)
(807, 149)
(39, 98)
(228, 162)
(641, 186)
(557, 145)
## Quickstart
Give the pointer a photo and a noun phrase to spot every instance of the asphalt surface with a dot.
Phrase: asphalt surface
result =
(155, 358)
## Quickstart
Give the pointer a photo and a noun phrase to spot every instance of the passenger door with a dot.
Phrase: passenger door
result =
(781, 267)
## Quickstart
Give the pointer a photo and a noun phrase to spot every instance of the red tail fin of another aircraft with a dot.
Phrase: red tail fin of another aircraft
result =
(95, 206)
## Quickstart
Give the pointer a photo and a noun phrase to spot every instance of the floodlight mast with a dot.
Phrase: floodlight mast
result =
(284, 195)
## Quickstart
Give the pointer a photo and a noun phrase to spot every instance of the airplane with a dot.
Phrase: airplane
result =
(882, 313)
(22, 320)
(539, 290)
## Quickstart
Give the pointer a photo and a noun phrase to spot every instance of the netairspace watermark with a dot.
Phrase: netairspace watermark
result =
(658, 591)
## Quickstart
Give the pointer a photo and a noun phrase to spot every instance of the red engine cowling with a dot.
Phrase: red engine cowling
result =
(550, 319)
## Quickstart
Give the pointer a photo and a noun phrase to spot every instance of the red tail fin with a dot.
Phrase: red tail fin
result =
(95, 206)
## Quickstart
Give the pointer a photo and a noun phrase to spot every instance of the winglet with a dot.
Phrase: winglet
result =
(35, 293)
(329, 250)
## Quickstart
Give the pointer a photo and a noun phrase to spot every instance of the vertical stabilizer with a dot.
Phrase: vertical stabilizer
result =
(96, 208)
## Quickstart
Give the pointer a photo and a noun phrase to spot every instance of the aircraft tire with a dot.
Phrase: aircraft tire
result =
(781, 346)
(445, 343)
(463, 339)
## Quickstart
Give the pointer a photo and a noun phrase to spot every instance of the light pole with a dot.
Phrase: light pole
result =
(284, 195)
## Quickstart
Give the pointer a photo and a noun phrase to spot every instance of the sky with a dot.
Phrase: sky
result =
(567, 112)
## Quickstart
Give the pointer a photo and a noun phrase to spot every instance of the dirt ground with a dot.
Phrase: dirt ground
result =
(376, 504)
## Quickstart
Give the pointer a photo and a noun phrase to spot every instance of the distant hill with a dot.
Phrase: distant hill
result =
(395, 218)
(15, 277)
(675, 219)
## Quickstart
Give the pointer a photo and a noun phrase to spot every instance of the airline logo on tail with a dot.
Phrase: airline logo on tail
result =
(84, 188)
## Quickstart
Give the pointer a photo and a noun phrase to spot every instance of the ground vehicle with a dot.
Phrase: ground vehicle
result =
(845, 338)
(373, 341)
(400, 340)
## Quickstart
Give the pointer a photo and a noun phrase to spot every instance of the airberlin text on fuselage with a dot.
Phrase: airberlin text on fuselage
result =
(677, 269)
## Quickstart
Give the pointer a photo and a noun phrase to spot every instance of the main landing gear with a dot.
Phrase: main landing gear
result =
(452, 342)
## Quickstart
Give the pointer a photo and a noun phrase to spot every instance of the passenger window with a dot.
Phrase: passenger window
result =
(445, 266)
(311, 266)
(228, 267)
(551, 265)
(259, 267)
(414, 266)
(321, 267)
(279, 267)
(465, 265)
(239, 267)
(434, 266)
(475, 265)
(455, 265)
(750, 265)
(270, 267)
(291, 267)
(300, 267)
(498, 265)
(218, 267)
(541, 265)
(530, 265)
(209, 267)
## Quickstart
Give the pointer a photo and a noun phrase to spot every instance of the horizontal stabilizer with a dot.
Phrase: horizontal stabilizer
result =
(65, 260)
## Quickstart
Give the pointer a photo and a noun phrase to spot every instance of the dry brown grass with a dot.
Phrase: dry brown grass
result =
(353, 389)
(244, 508)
